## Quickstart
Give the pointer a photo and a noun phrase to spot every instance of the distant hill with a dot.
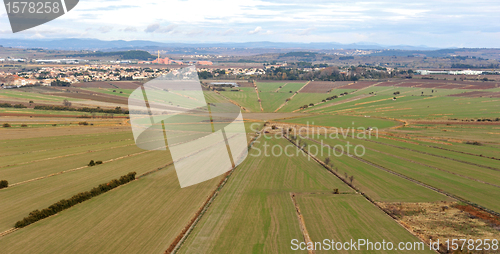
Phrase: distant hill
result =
(131, 54)
(94, 44)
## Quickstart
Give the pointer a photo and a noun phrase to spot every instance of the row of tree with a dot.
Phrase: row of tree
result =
(117, 110)
(64, 204)
(8, 105)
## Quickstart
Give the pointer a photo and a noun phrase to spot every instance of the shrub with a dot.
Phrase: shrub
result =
(66, 103)
(19, 106)
(4, 184)
(473, 143)
(83, 123)
(24, 125)
(91, 163)
(5, 105)
(6, 125)
(98, 162)
(54, 124)
(31, 102)
(327, 160)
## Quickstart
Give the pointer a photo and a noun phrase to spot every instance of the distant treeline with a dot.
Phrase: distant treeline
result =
(7, 105)
(60, 83)
(326, 74)
(131, 54)
(117, 110)
(64, 204)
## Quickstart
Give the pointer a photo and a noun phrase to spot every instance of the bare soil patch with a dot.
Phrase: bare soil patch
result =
(445, 220)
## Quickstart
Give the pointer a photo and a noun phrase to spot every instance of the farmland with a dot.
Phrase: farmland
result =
(322, 213)
(415, 144)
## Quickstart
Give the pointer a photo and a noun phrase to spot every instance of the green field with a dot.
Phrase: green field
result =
(246, 98)
(269, 87)
(271, 101)
(254, 212)
(453, 177)
(410, 105)
(342, 121)
(111, 91)
(143, 216)
(27, 95)
(422, 151)
(302, 99)
(343, 218)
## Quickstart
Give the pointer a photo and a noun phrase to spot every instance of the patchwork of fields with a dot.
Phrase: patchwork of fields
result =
(423, 143)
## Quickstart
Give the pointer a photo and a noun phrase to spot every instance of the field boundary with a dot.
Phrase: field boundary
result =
(258, 97)
(355, 98)
(181, 238)
(435, 155)
(436, 168)
(291, 97)
(453, 196)
(302, 223)
(75, 169)
(356, 189)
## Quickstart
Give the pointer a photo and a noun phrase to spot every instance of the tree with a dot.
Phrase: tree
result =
(66, 103)
(327, 161)
(4, 184)
(351, 178)
(91, 163)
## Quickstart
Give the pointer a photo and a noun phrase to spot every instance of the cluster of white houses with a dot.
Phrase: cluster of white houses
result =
(462, 72)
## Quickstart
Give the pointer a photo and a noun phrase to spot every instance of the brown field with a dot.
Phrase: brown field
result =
(445, 220)
(60, 131)
(88, 95)
(359, 85)
(55, 115)
(323, 86)
(476, 94)
(443, 84)
(109, 84)
(281, 81)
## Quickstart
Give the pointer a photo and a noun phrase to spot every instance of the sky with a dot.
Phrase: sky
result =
(433, 23)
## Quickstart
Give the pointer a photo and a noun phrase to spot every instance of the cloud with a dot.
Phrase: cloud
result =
(195, 32)
(435, 23)
(151, 28)
(306, 31)
(256, 30)
(157, 28)
(105, 29)
(229, 31)
(130, 29)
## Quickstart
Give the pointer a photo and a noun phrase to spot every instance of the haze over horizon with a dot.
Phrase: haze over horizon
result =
(440, 24)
